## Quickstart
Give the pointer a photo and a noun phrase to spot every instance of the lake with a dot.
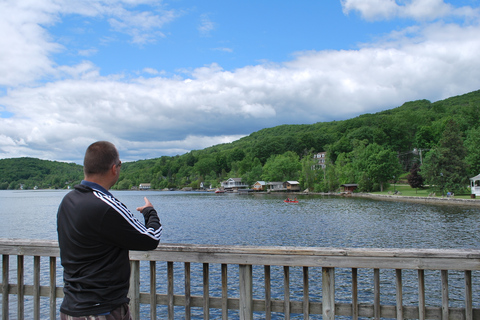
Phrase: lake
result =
(261, 219)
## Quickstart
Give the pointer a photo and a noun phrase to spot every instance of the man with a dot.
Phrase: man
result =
(95, 233)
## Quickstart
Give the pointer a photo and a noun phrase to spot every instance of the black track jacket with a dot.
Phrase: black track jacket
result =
(95, 233)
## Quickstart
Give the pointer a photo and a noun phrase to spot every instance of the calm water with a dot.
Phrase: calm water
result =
(207, 218)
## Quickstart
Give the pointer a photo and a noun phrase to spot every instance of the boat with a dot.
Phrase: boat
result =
(290, 201)
(219, 191)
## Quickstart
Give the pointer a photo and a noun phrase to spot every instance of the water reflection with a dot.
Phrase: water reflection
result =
(205, 218)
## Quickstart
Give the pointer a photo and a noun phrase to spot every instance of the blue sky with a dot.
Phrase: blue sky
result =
(166, 77)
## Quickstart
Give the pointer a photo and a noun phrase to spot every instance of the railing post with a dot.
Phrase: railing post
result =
(5, 268)
(36, 287)
(246, 292)
(53, 287)
(134, 291)
(328, 294)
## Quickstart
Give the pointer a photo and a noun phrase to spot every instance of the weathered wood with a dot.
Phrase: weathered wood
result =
(376, 293)
(53, 285)
(246, 292)
(468, 295)
(5, 273)
(399, 293)
(328, 298)
(224, 291)
(306, 298)
(21, 289)
(188, 301)
(134, 291)
(421, 294)
(354, 294)
(287, 257)
(286, 292)
(206, 292)
(170, 291)
(153, 290)
(36, 287)
(268, 293)
(444, 275)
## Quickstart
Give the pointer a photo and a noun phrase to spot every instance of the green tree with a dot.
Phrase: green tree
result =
(472, 144)
(381, 164)
(309, 172)
(445, 167)
(282, 167)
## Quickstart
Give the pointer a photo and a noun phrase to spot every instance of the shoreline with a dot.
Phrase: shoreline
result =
(428, 200)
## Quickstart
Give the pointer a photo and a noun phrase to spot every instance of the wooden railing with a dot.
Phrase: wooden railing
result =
(251, 295)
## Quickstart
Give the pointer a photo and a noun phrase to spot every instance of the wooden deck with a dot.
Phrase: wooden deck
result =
(240, 262)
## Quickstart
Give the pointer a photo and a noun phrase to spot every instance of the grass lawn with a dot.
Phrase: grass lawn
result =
(406, 190)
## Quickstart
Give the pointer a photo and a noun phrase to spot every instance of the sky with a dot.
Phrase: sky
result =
(162, 78)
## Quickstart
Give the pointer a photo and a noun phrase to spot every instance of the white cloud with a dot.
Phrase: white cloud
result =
(206, 25)
(415, 9)
(156, 115)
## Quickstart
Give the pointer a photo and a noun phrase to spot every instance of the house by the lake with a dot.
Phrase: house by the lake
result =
(291, 185)
(144, 186)
(233, 184)
(260, 186)
(349, 187)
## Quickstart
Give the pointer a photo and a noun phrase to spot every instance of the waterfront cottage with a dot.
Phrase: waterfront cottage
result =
(259, 186)
(475, 186)
(349, 187)
(292, 185)
(233, 184)
(144, 186)
(275, 186)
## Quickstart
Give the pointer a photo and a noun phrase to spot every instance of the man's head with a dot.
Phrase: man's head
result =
(102, 160)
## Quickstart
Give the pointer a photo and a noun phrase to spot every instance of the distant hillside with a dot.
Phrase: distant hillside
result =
(263, 155)
(28, 173)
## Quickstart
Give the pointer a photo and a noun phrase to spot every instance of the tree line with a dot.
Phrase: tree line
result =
(436, 142)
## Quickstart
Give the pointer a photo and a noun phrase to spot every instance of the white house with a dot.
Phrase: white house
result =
(144, 186)
(233, 184)
(475, 185)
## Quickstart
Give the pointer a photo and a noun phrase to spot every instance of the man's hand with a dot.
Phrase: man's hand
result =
(147, 204)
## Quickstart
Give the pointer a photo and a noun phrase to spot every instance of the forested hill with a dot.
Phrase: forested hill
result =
(285, 152)
(28, 173)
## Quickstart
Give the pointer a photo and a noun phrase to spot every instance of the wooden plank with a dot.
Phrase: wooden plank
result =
(224, 291)
(286, 292)
(246, 292)
(188, 301)
(376, 293)
(328, 293)
(21, 289)
(421, 295)
(306, 295)
(206, 292)
(53, 285)
(444, 276)
(468, 295)
(36, 287)
(399, 293)
(134, 291)
(5, 271)
(170, 291)
(153, 290)
(268, 293)
(354, 294)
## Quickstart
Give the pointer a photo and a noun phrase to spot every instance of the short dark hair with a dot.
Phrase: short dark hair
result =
(99, 157)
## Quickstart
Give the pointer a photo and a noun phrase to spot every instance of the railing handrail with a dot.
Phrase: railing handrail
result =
(245, 257)
(390, 258)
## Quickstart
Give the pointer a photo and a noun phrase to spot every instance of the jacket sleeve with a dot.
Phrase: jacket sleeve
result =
(123, 229)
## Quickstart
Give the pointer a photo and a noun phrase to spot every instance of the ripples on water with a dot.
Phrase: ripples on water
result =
(228, 219)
